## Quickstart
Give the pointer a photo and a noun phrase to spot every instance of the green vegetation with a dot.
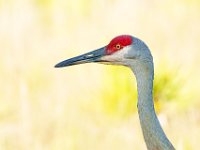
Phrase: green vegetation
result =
(93, 106)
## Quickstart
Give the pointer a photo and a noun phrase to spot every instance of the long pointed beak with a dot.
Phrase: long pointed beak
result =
(93, 56)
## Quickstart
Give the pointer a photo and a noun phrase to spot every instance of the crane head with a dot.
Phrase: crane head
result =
(122, 50)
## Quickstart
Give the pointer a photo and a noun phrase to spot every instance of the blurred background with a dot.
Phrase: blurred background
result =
(93, 106)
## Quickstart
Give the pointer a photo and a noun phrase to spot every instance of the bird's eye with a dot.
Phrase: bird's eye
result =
(118, 46)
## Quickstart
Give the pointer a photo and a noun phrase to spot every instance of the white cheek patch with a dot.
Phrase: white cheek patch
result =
(117, 56)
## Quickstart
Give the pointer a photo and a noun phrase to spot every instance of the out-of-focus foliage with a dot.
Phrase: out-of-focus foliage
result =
(93, 106)
(120, 92)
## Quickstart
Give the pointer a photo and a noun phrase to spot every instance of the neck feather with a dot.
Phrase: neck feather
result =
(153, 133)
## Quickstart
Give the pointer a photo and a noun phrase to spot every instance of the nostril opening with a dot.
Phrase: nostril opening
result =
(90, 55)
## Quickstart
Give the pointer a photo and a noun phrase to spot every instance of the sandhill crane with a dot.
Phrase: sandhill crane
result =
(130, 51)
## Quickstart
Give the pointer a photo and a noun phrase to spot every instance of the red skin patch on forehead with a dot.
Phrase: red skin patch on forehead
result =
(118, 43)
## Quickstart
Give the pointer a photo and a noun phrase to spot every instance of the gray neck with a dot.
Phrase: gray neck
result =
(153, 133)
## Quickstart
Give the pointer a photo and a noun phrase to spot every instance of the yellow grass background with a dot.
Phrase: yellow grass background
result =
(93, 106)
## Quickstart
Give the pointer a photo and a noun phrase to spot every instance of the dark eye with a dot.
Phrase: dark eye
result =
(118, 46)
